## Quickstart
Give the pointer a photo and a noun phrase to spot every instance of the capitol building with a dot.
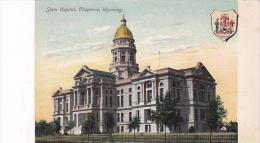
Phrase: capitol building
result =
(126, 92)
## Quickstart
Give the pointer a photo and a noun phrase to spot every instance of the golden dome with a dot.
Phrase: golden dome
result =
(123, 31)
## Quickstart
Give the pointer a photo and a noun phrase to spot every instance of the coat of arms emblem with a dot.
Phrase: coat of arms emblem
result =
(224, 23)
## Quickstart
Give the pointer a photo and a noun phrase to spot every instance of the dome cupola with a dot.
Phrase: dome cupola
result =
(123, 32)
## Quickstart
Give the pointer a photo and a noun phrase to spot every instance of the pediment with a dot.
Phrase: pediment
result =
(146, 72)
(83, 72)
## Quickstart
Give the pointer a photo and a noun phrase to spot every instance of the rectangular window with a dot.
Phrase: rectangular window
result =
(122, 101)
(195, 96)
(161, 94)
(118, 117)
(130, 116)
(122, 129)
(118, 100)
(130, 99)
(130, 89)
(122, 91)
(81, 101)
(67, 107)
(201, 96)
(117, 129)
(202, 114)
(110, 101)
(106, 101)
(196, 114)
(137, 113)
(138, 97)
(122, 117)
(178, 94)
(149, 95)
(149, 84)
(146, 128)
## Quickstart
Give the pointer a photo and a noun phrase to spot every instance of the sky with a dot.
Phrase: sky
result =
(180, 30)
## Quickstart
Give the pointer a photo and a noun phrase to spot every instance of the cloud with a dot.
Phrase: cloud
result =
(161, 39)
(89, 46)
(101, 29)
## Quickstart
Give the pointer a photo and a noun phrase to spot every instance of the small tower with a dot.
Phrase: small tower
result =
(124, 53)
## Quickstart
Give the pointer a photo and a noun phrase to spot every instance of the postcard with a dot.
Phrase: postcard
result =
(136, 71)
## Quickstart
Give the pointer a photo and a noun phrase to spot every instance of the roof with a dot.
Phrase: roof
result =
(93, 72)
(123, 31)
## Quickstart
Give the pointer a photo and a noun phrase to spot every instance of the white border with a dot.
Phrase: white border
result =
(17, 71)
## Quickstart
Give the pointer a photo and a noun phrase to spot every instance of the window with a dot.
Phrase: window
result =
(117, 129)
(137, 113)
(118, 117)
(161, 84)
(111, 91)
(117, 91)
(149, 84)
(122, 101)
(178, 94)
(195, 98)
(201, 96)
(130, 99)
(106, 101)
(75, 118)
(202, 114)
(122, 129)
(123, 58)
(81, 99)
(130, 116)
(147, 128)
(110, 101)
(149, 95)
(115, 59)
(118, 100)
(138, 97)
(196, 114)
(161, 94)
(122, 117)
(130, 89)
(138, 88)
(67, 107)
(122, 91)
(147, 114)
(60, 104)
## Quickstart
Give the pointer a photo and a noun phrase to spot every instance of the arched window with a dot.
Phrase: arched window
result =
(161, 84)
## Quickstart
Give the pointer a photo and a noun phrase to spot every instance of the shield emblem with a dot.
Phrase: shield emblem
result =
(224, 23)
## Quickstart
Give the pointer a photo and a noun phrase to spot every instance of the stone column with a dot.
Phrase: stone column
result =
(78, 96)
(92, 96)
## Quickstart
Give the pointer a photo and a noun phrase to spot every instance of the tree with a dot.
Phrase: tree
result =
(134, 124)
(71, 124)
(108, 121)
(89, 124)
(43, 128)
(56, 126)
(215, 115)
(232, 126)
(156, 115)
(166, 112)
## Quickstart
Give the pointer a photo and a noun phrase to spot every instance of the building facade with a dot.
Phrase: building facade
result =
(126, 92)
